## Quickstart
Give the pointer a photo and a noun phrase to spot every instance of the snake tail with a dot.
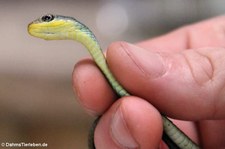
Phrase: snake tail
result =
(178, 136)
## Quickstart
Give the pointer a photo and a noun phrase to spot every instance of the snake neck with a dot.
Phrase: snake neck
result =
(86, 38)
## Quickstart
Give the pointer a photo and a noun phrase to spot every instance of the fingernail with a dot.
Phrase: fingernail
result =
(149, 62)
(121, 133)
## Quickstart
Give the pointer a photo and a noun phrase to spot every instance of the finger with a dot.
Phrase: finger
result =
(202, 34)
(93, 91)
(191, 80)
(212, 133)
(174, 41)
(130, 123)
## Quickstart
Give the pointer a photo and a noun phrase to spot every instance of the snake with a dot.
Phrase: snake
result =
(58, 27)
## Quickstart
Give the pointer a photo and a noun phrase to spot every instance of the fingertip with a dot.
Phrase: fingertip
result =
(143, 121)
(91, 88)
(130, 123)
(116, 45)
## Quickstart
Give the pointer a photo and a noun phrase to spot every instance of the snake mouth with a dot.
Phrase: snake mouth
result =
(40, 32)
(48, 33)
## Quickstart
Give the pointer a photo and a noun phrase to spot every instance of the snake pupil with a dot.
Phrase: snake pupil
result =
(47, 18)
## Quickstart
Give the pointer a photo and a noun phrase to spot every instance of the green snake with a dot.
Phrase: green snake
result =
(57, 27)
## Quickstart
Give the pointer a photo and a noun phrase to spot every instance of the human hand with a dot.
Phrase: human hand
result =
(180, 74)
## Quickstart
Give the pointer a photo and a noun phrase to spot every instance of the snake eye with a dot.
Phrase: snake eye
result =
(47, 18)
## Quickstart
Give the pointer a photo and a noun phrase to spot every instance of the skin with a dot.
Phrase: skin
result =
(180, 74)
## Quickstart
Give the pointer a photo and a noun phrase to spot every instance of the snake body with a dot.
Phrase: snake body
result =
(57, 27)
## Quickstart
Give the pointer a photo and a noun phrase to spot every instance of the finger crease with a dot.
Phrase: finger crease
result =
(208, 70)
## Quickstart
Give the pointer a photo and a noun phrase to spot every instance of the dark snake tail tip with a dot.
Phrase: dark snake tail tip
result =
(91, 143)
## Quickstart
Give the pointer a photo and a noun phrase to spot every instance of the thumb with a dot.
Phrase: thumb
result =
(186, 85)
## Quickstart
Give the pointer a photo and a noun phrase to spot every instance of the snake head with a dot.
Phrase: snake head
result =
(53, 27)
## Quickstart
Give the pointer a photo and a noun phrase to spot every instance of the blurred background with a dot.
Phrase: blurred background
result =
(37, 103)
